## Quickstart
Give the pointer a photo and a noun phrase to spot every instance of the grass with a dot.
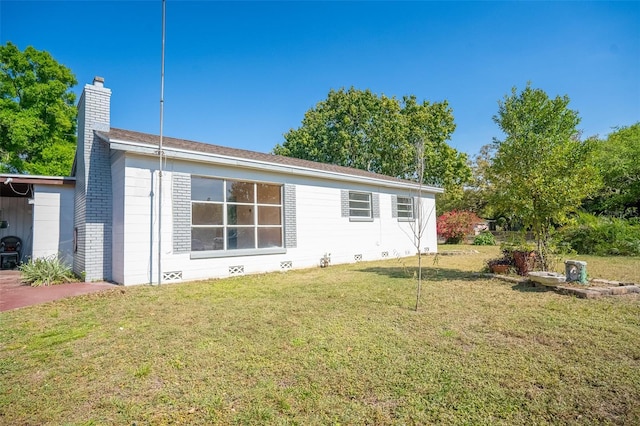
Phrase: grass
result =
(338, 345)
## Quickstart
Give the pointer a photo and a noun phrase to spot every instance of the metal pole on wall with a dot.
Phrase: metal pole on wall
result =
(160, 152)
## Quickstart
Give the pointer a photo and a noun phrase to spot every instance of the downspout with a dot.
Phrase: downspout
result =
(160, 152)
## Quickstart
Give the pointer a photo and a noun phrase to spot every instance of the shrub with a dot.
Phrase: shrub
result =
(453, 226)
(484, 239)
(602, 236)
(523, 257)
(46, 271)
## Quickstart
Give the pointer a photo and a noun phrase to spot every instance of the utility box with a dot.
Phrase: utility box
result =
(575, 271)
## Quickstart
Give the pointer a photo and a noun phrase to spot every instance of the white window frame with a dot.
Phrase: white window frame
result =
(225, 203)
(405, 211)
(355, 205)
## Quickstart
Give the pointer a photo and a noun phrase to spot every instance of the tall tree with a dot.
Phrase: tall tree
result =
(356, 128)
(618, 158)
(428, 127)
(37, 113)
(475, 194)
(541, 170)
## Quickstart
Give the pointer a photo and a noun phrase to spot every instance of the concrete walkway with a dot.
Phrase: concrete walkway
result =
(14, 294)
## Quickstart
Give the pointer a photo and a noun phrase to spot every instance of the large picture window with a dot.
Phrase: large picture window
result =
(405, 208)
(360, 205)
(235, 215)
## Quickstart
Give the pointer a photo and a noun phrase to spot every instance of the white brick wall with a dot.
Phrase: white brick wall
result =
(320, 227)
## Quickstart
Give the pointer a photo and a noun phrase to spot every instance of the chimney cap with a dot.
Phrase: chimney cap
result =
(98, 81)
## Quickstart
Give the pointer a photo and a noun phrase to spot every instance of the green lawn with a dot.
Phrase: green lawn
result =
(340, 345)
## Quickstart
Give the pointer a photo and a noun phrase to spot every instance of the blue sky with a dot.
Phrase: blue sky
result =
(242, 74)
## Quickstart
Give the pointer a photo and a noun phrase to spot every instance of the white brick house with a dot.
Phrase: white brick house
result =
(225, 211)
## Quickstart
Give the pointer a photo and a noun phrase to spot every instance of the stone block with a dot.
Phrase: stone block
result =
(605, 291)
(590, 294)
(581, 293)
(619, 290)
(626, 289)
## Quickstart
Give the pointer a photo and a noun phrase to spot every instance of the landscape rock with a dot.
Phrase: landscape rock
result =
(605, 291)
(582, 293)
(626, 289)
(550, 279)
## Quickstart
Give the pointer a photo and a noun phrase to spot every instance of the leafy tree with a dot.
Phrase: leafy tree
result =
(541, 170)
(428, 127)
(37, 113)
(618, 158)
(359, 129)
(475, 194)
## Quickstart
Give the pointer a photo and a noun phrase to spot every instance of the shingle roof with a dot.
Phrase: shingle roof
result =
(199, 147)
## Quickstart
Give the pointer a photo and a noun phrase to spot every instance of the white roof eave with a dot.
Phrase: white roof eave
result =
(170, 152)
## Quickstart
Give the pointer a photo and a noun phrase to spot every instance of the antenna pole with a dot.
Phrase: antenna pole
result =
(160, 152)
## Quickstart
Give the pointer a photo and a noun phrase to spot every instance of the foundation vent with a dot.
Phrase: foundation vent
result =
(237, 270)
(172, 276)
(286, 265)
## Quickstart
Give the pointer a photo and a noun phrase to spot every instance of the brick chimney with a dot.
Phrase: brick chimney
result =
(93, 196)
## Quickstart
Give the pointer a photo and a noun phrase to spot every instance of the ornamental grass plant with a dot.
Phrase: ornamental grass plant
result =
(46, 271)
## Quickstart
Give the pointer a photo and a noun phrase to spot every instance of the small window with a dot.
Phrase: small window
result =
(360, 205)
(405, 208)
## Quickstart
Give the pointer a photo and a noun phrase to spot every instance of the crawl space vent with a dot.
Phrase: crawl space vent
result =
(286, 265)
(236, 270)
(172, 276)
